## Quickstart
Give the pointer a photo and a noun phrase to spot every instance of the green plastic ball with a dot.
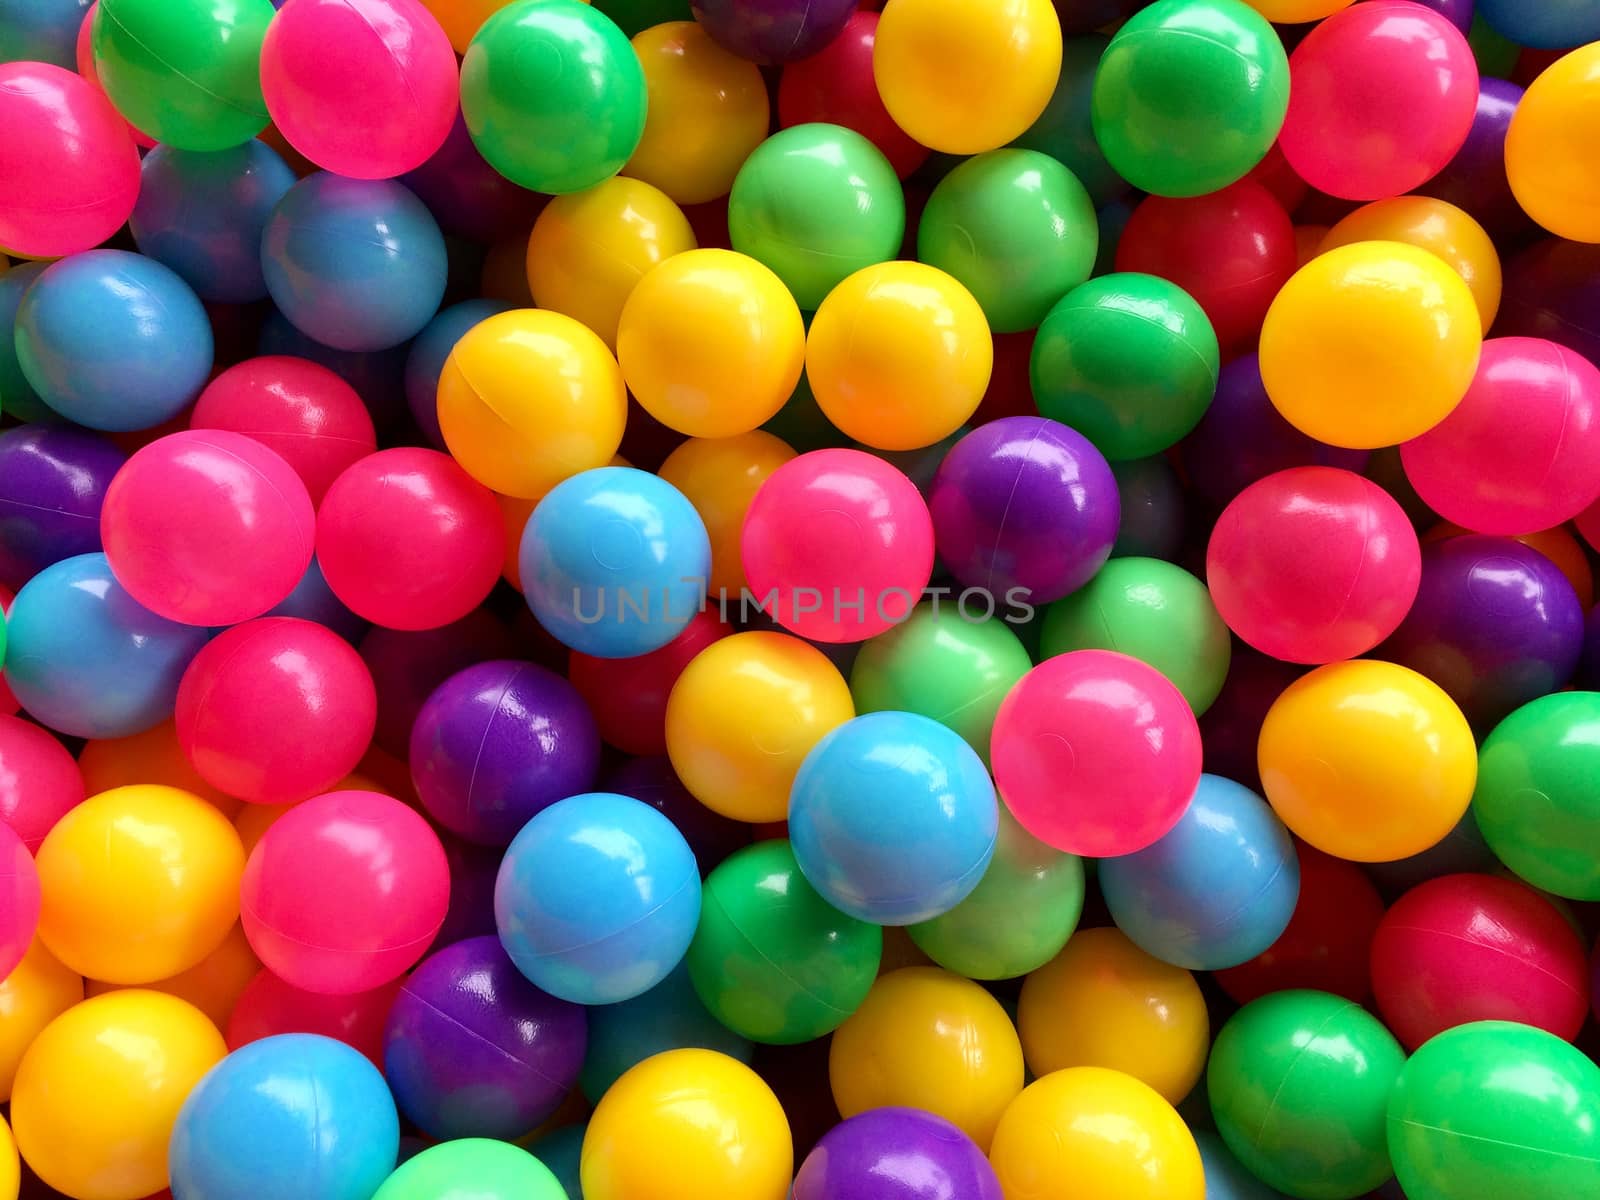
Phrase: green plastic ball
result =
(1017, 228)
(1018, 917)
(1299, 1085)
(1537, 799)
(1150, 610)
(772, 960)
(185, 72)
(1129, 361)
(472, 1169)
(1190, 95)
(939, 665)
(1494, 1110)
(553, 95)
(1065, 130)
(816, 203)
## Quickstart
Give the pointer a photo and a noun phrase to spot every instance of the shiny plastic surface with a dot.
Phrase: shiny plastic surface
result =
(628, 696)
(895, 1154)
(467, 196)
(1475, 179)
(154, 756)
(720, 477)
(472, 1169)
(268, 1007)
(39, 781)
(35, 992)
(19, 899)
(53, 480)
(213, 985)
(1552, 179)
(773, 31)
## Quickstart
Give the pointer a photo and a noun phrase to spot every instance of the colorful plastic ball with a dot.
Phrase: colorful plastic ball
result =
(40, 31)
(628, 696)
(428, 353)
(39, 781)
(268, 1007)
(710, 835)
(99, 1091)
(113, 340)
(19, 899)
(1093, 1134)
(1153, 128)
(1103, 1002)
(1299, 1083)
(358, 264)
(1475, 179)
(710, 342)
(32, 994)
(468, 197)
(1367, 760)
(1487, 1108)
(553, 95)
(461, 19)
(213, 985)
(154, 756)
(720, 477)
(407, 666)
(1297, 12)
(1065, 130)
(895, 1154)
(88, 660)
(597, 898)
(686, 1124)
(1129, 361)
(1096, 753)
(899, 354)
(1226, 1177)
(377, 376)
(53, 480)
(471, 1169)
(775, 31)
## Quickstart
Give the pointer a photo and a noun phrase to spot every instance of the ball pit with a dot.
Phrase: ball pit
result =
(497, 1171)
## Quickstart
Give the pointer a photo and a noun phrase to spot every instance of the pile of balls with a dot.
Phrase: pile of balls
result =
(799, 599)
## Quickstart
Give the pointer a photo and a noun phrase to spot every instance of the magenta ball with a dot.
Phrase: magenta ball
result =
(896, 1154)
(19, 899)
(772, 32)
(53, 480)
(207, 527)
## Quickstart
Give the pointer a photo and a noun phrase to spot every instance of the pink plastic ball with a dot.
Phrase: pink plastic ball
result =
(1095, 753)
(363, 88)
(1521, 452)
(344, 893)
(408, 540)
(275, 710)
(39, 781)
(1338, 599)
(69, 171)
(313, 419)
(19, 899)
(1381, 97)
(841, 542)
(207, 527)
(83, 52)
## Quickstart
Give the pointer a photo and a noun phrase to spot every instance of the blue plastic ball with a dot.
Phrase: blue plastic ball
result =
(41, 31)
(597, 898)
(893, 818)
(17, 397)
(313, 600)
(425, 360)
(614, 562)
(293, 1117)
(1213, 892)
(113, 340)
(202, 214)
(1543, 24)
(1226, 1178)
(88, 660)
(358, 264)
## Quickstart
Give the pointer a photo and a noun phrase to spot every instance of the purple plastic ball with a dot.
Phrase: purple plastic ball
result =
(407, 665)
(498, 743)
(1024, 503)
(1552, 290)
(711, 836)
(1494, 624)
(472, 1049)
(53, 479)
(468, 197)
(1475, 179)
(896, 1154)
(1457, 12)
(771, 32)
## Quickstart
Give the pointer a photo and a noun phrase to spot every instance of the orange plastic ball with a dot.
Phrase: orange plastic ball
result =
(720, 476)
(38, 990)
(153, 756)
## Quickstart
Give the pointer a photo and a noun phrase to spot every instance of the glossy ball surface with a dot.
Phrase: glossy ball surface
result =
(895, 1154)
(1556, 116)
(53, 481)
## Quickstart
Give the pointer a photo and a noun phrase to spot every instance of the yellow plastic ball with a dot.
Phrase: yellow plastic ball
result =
(528, 398)
(899, 355)
(1092, 1134)
(720, 476)
(1436, 226)
(926, 1038)
(589, 249)
(1297, 12)
(214, 984)
(743, 715)
(1103, 1002)
(1550, 147)
(38, 990)
(708, 110)
(1367, 760)
(153, 756)
(963, 78)
(99, 1090)
(1370, 345)
(687, 1125)
(138, 884)
(10, 1165)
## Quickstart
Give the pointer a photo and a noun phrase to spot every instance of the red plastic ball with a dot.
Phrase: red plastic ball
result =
(1276, 175)
(39, 780)
(268, 1006)
(19, 899)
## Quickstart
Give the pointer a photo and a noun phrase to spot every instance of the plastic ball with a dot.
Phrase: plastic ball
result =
(268, 1007)
(1065, 130)
(87, 659)
(710, 342)
(1475, 179)
(32, 994)
(39, 781)
(19, 899)
(628, 696)
(597, 898)
(409, 540)
(213, 985)
(1129, 361)
(1096, 753)
(154, 756)
(427, 355)
(1298, 1084)
(774, 31)
(407, 666)
(99, 1091)
(358, 264)
(720, 477)
(1554, 26)
(202, 214)
(1493, 1106)
(895, 1154)
(40, 31)
(377, 376)
(286, 1117)
(113, 340)
(1094, 1134)
(1151, 125)
(1367, 760)
(687, 1124)
(53, 481)
(1333, 605)
(344, 892)
(899, 355)
(472, 1167)
(553, 95)
(928, 1039)
(1550, 178)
